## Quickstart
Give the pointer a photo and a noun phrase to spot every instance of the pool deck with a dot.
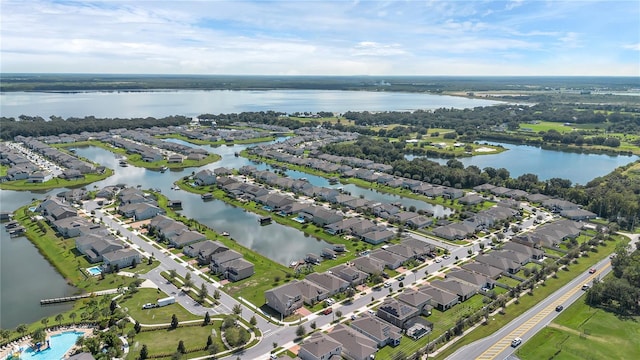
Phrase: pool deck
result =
(25, 341)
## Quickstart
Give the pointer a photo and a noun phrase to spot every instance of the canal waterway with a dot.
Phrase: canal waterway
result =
(26, 277)
(124, 104)
(522, 159)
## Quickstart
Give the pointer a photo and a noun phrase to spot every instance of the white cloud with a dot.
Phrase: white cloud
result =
(635, 47)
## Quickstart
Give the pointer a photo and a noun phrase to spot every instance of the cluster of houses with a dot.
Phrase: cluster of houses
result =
(23, 167)
(151, 149)
(333, 221)
(483, 220)
(92, 240)
(564, 208)
(316, 287)
(222, 261)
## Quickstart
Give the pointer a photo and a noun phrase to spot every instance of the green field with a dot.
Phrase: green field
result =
(584, 333)
(166, 341)
(160, 315)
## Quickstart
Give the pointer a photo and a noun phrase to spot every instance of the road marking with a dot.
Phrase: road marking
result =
(499, 346)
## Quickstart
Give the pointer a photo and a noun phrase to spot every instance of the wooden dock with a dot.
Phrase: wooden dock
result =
(64, 299)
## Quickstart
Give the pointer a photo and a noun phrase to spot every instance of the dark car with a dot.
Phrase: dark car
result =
(559, 308)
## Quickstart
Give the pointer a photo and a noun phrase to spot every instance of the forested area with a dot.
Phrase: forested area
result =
(473, 121)
(621, 293)
(38, 126)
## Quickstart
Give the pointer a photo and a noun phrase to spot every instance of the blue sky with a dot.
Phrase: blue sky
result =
(322, 37)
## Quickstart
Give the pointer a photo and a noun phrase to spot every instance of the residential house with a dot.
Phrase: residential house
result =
(94, 245)
(186, 237)
(312, 293)
(421, 248)
(319, 346)
(382, 332)
(205, 177)
(517, 257)
(416, 299)
(396, 312)
(391, 260)
(139, 211)
(462, 289)
(368, 264)
(285, 299)
(378, 236)
(419, 222)
(440, 299)
(355, 346)
(351, 274)
(332, 283)
(120, 259)
(531, 252)
(236, 269)
(479, 281)
(219, 260)
(500, 262)
(487, 270)
(471, 199)
(320, 216)
(578, 214)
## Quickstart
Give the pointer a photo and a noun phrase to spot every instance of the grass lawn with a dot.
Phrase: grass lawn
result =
(166, 341)
(584, 333)
(160, 315)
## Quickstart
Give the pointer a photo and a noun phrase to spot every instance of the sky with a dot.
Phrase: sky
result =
(330, 37)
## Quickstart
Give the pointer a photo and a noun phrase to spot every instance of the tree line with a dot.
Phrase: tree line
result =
(38, 126)
(621, 293)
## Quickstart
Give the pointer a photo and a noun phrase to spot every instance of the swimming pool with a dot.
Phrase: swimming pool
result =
(95, 270)
(60, 344)
(299, 219)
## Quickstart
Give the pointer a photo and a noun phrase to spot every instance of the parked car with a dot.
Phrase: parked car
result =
(149, 306)
(401, 277)
(446, 257)
(515, 342)
(559, 308)
(438, 260)
(327, 311)
(353, 317)
(387, 285)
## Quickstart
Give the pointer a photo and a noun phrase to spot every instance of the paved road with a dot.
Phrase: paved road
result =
(498, 345)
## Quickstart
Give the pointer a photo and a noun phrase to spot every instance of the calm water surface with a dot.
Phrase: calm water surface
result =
(547, 164)
(196, 102)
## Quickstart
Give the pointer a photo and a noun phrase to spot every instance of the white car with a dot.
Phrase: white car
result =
(515, 342)
(438, 260)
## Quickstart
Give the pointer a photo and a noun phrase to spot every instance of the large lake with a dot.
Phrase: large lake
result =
(196, 102)
(547, 164)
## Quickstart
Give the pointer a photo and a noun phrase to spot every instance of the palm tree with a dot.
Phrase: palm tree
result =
(59, 319)
(73, 316)
(22, 329)
(45, 321)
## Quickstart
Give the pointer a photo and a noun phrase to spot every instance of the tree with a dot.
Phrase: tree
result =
(300, 331)
(202, 295)
(23, 328)
(216, 294)
(172, 274)
(213, 348)
(144, 352)
(207, 319)
(181, 348)
(39, 336)
(59, 319)
(73, 316)
(5, 333)
(313, 325)
(237, 309)
(174, 321)
(253, 321)
(187, 280)
(137, 327)
(44, 322)
(209, 341)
